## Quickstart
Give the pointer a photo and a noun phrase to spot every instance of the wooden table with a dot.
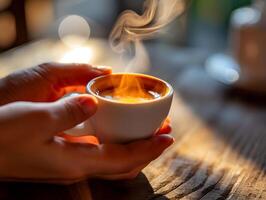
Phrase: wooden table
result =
(220, 148)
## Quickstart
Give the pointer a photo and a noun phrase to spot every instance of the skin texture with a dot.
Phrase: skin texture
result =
(33, 118)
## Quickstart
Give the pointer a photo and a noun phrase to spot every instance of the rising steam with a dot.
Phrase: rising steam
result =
(131, 27)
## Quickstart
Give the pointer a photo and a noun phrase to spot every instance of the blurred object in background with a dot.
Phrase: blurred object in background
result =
(100, 14)
(39, 16)
(209, 21)
(23, 20)
(245, 67)
(249, 45)
(204, 25)
(13, 29)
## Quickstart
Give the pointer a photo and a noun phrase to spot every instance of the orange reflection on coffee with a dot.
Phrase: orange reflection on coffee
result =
(130, 90)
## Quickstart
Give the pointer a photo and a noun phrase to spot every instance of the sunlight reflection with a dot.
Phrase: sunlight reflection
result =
(203, 143)
(78, 55)
(74, 32)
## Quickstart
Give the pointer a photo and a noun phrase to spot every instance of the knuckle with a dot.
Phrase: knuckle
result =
(45, 71)
(74, 112)
(15, 79)
(45, 66)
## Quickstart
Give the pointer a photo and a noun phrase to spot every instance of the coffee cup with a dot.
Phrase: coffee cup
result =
(126, 111)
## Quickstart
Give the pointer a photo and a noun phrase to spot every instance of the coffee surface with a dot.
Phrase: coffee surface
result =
(129, 96)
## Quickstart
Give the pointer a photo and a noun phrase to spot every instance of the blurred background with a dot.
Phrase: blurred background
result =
(225, 37)
(213, 56)
(205, 24)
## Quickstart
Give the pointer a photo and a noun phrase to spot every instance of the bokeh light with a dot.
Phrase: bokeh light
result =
(4, 4)
(74, 31)
(244, 16)
(223, 68)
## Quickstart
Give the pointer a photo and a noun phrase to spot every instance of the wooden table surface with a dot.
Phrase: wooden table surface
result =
(220, 148)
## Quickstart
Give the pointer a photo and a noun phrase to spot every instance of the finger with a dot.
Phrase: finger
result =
(71, 111)
(106, 159)
(63, 75)
(46, 82)
(116, 159)
(165, 128)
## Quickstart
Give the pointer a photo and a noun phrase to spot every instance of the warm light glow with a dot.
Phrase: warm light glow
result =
(4, 4)
(35, 12)
(74, 31)
(8, 29)
(78, 55)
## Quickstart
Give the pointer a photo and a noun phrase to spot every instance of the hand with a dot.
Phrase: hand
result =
(47, 82)
(164, 129)
(31, 148)
(50, 81)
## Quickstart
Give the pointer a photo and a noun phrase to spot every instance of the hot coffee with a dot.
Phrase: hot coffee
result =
(126, 112)
(130, 95)
(130, 88)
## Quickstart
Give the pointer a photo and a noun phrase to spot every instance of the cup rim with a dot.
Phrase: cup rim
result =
(91, 82)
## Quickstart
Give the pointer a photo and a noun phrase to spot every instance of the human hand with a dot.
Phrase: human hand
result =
(50, 81)
(47, 82)
(32, 150)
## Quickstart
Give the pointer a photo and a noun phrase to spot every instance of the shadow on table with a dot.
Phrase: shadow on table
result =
(191, 179)
(138, 188)
(184, 178)
(32, 191)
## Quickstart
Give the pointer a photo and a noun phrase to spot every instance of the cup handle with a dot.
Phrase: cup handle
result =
(82, 129)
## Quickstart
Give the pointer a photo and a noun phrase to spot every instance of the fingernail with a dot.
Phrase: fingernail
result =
(104, 69)
(88, 104)
(165, 138)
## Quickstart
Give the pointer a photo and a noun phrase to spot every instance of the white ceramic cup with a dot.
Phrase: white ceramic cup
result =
(120, 122)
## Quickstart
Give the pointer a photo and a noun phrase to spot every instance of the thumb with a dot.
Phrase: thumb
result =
(72, 111)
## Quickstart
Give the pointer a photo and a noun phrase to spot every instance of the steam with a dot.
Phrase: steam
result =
(132, 28)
